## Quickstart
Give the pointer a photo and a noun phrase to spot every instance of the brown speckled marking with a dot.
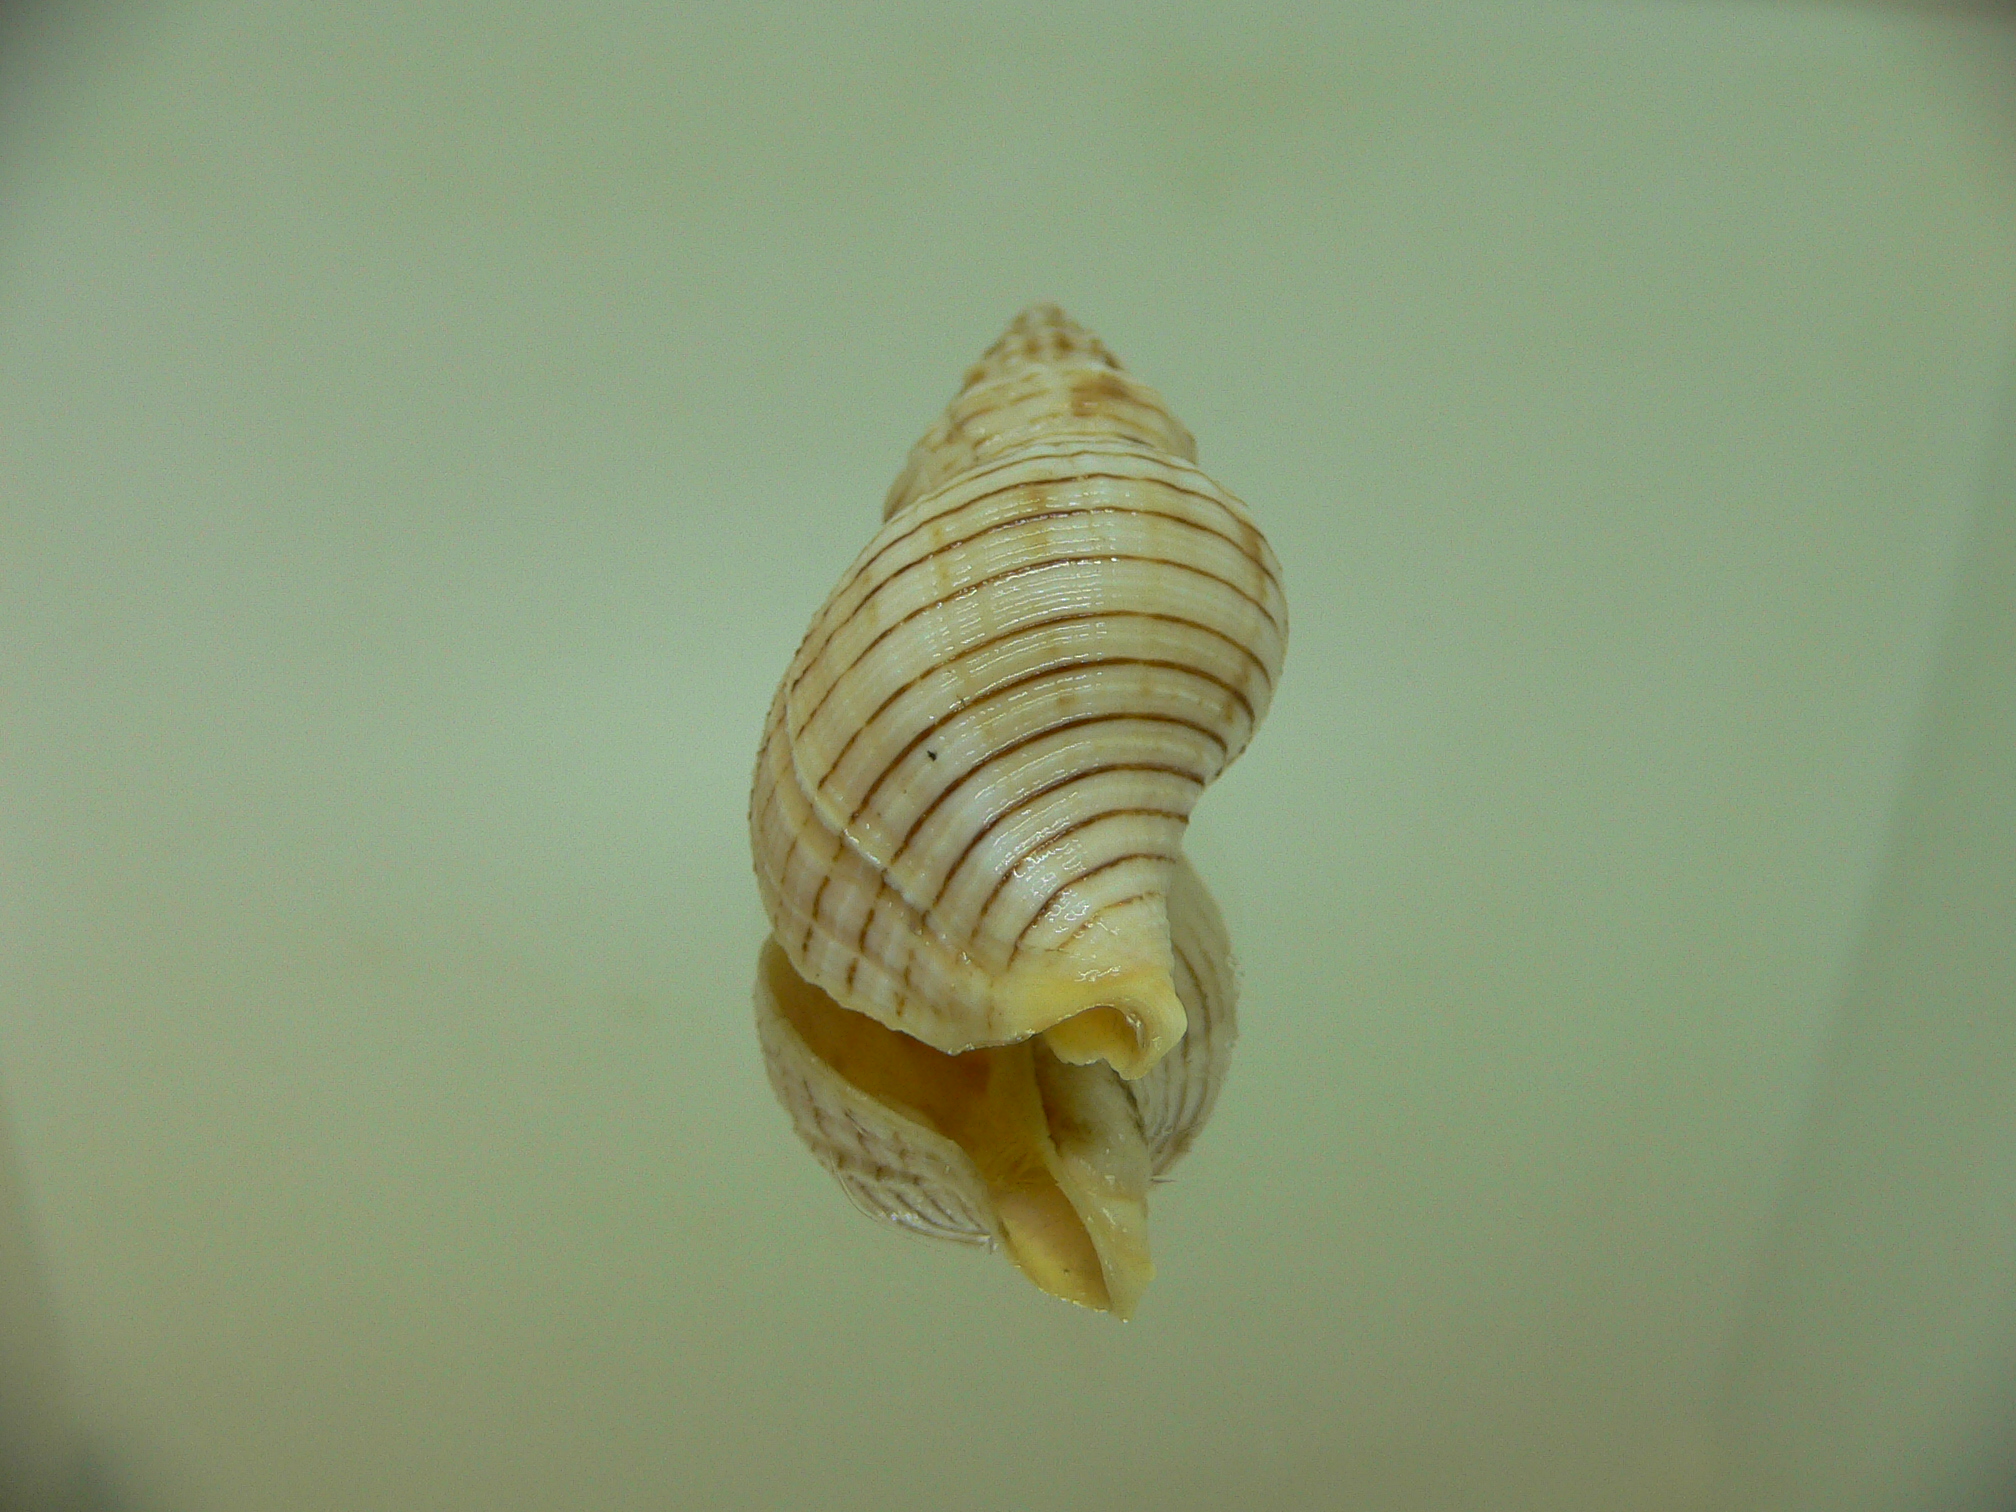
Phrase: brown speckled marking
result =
(1098, 391)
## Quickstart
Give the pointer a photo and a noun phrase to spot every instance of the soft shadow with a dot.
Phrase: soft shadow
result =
(46, 1464)
(1873, 1368)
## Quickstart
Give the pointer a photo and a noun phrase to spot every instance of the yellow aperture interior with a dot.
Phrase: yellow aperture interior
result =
(985, 1101)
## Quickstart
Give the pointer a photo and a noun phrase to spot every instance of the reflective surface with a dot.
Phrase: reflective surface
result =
(422, 436)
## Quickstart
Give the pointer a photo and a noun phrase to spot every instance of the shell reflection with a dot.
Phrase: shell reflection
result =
(1008, 1145)
(996, 999)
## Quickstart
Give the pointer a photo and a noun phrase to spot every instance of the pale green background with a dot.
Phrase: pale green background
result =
(425, 432)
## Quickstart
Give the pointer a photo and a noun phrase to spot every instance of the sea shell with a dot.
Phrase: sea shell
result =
(976, 775)
(1007, 1146)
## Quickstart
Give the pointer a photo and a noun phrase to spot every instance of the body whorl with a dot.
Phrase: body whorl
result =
(976, 774)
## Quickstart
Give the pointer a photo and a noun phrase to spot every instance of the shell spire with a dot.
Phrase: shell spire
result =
(977, 772)
(1047, 377)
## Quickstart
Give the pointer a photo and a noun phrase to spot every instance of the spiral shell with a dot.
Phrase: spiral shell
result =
(1008, 1146)
(977, 771)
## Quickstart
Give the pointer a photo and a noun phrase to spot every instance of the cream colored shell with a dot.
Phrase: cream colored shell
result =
(976, 774)
(1102, 1139)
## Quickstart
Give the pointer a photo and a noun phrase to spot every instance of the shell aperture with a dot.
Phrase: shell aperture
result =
(1007, 1146)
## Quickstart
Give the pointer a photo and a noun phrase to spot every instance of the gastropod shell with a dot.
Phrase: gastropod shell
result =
(970, 803)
